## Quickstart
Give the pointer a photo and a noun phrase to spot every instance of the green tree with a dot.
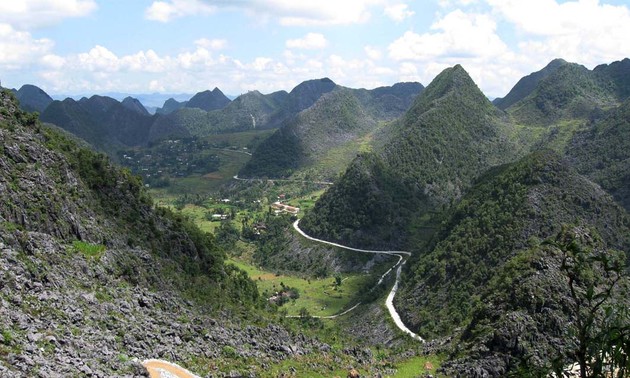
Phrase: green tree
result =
(596, 283)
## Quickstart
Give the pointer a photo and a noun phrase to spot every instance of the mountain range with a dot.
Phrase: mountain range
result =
(515, 211)
(322, 139)
(106, 125)
(480, 195)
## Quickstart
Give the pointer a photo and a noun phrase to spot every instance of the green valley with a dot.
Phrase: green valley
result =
(495, 234)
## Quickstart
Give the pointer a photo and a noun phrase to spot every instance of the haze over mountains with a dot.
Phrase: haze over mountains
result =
(515, 211)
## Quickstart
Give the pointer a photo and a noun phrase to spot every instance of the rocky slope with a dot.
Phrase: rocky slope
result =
(91, 276)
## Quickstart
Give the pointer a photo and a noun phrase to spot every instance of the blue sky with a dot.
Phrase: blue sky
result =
(185, 46)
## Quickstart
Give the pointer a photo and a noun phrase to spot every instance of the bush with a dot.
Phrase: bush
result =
(89, 251)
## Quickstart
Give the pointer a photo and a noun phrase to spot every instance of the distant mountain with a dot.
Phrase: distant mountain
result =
(321, 140)
(208, 100)
(307, 93)
(32, 98)
(101, 121)
(422, 164)
(251, 110)
(488, 273)
(568, 91)
(248, 111)
(303, 96)
(615, 77)
(170, 106)
(525, 86)
(135, 105)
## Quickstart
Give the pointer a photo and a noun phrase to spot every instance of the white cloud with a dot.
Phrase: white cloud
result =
(29, 14)
(458, 34)
(398, 12)
(99, 59)
(211, 44)
(373, 52)
(19, 49)
(311, 41)
(287, 12)
(53, 61)
(317, 12)
(155, 86)
(142, 61)
(584, 31)
(165, 11)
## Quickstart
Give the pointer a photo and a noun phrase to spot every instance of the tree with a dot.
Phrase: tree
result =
(338, 280)
(596, 283)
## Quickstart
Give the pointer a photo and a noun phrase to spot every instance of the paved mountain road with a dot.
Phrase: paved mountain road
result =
(389, 302)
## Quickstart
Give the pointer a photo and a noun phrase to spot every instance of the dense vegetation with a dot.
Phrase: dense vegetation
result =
(500, 223)
(321, 140)
(427, 160)
(602, 152)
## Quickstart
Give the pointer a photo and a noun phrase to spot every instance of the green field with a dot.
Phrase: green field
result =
(318, 296)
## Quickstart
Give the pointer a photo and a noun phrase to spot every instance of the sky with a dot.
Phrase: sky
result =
(185, 46)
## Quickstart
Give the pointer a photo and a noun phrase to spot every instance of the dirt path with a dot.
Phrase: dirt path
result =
(165, 369)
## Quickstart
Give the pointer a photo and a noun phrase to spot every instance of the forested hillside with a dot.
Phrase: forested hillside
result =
(602, 152)
(494, 269)
(321, 140)
(423, 163)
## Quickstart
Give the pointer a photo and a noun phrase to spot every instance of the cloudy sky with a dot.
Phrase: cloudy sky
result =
(185, 46)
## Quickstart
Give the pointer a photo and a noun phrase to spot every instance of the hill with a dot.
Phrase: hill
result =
(251, 110)
(495, 268)
(568, 91)
(92, 273)
(101, 121)
(321, 140)
(422, 163)
(602, 152)
(208, 100)
(135, 105)
(526, 85)
(170, 106)
(32, 98)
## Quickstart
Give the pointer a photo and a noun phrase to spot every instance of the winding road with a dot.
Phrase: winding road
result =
(389, 302)
(283, 180)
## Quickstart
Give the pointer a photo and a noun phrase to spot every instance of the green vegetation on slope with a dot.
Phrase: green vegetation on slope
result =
(508, 212)
(602, 152)
(320, 141)
(423, 162)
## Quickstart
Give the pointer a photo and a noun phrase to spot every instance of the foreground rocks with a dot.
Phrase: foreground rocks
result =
(63, 315)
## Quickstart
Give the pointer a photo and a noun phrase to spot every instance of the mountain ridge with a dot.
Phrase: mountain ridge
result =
(415, 162)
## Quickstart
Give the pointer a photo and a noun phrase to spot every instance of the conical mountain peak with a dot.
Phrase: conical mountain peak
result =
(453, 82)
